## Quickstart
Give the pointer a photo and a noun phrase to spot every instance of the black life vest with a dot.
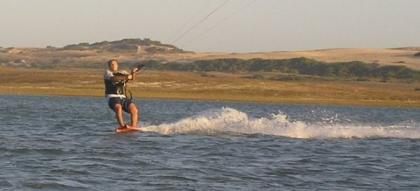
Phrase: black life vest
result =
(112, 87)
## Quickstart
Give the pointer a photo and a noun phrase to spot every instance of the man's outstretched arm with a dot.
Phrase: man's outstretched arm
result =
(132, 76)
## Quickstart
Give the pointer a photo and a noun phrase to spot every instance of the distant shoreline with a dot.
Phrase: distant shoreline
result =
(212, 87)
(31, 91)
(341, 103)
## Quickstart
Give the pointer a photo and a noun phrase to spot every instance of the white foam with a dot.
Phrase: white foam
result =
(228, 120)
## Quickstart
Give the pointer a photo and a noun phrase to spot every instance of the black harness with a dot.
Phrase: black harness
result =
(118, 84)
(117, 87)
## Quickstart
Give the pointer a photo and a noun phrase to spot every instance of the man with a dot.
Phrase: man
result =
(115, 86)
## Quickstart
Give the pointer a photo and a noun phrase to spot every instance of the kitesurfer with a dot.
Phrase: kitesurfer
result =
(115, 92)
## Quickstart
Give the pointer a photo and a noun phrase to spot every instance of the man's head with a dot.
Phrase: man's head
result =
(113, 65)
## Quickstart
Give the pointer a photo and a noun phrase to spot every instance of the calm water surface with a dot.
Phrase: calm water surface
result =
(63, 143)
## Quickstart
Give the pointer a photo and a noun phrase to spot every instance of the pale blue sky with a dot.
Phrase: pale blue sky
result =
(264, 25)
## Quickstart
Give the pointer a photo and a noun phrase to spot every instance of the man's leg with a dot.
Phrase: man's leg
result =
(134, 114)
(119, 114)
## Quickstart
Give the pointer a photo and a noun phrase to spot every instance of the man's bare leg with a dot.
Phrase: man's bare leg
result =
(119, 115)
(134, 115)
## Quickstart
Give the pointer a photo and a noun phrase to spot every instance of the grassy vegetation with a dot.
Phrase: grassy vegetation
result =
(280, 69)
(124, 45)
(295, 66)
(76, 70)
(212, 86)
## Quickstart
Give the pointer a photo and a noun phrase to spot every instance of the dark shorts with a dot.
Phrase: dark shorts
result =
(124, 103)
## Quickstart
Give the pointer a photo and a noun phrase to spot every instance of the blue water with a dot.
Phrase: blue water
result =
(68, 143)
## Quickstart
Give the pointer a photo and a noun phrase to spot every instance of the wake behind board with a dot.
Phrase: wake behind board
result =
(127, 129)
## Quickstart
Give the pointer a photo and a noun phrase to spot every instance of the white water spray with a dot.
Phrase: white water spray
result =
(228, 120)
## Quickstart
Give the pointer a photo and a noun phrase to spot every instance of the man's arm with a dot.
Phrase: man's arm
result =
(132, 76)
(119, 78)
(134, 71)
(126, 77)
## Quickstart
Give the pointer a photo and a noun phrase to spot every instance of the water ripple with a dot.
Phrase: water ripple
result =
(58, 143)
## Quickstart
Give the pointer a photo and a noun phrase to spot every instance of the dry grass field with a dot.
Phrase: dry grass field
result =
(401, 56)
(215, 87)
(397, 56)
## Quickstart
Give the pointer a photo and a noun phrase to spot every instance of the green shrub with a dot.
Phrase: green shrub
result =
(297, 66)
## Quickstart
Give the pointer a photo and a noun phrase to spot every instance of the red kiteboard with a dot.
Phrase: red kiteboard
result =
(127, 129)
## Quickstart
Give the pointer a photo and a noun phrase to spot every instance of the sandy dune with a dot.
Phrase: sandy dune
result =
(396, 56)
(401, 56)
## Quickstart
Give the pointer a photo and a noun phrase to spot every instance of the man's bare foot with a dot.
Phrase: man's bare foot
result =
(127, 128)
